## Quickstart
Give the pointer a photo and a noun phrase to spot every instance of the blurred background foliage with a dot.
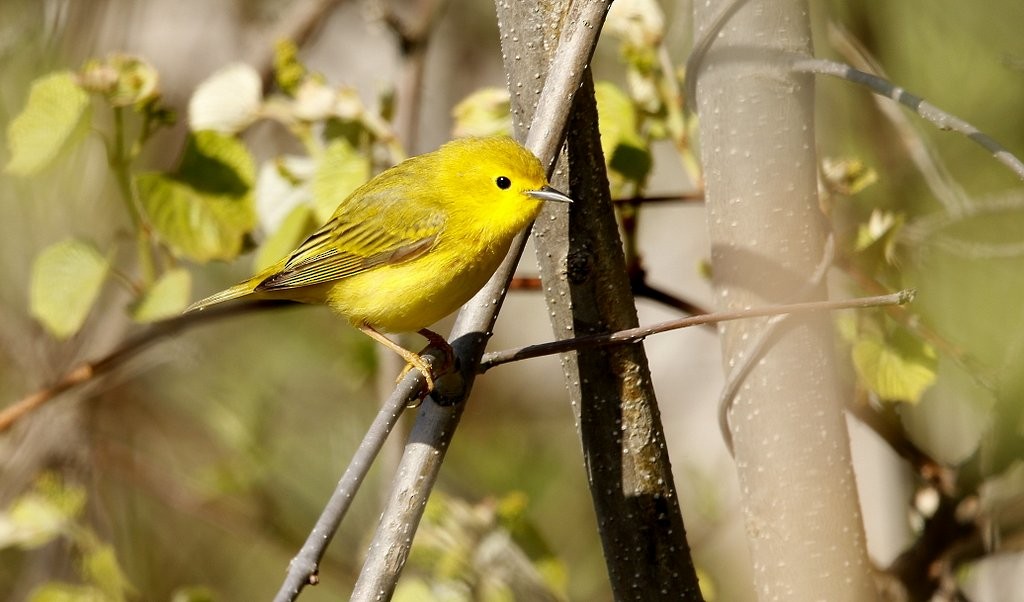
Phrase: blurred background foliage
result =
(195, 470)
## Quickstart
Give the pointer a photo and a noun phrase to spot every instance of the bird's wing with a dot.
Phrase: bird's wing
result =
(368, 233)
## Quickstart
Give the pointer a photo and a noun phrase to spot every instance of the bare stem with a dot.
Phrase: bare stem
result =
(496, 358)
(87, 371)
(435, 425)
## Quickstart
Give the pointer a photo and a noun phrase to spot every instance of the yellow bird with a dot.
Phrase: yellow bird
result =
(414, 243)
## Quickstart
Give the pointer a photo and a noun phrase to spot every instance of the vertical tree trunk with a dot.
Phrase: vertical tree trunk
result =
(588, 291)
(767, 237)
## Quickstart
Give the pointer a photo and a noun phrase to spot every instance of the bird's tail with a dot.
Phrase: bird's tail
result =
(235, 292)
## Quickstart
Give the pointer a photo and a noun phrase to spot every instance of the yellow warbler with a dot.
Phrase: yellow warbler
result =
(414, 243)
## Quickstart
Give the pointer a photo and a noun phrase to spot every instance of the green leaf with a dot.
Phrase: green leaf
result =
(293, 230)
(897, 368)
(54, 118)
(100, 567)
(205, 210)
(66, 592)
(342, 169)
(486, 112)
(624, 149)
(217, 163)
(66, 280)
(168, 296)
(195, 225)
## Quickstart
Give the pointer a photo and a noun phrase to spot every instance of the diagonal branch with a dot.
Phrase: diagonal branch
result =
(435, 424)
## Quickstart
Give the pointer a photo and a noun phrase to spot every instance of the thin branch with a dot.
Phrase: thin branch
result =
(700, 51)
(303, 569)
(683, 197)
(435, 424)
(642, 288)
(300, 24)
(757, 348)
(924, 156)
(633, 335)
(88, 371)
(878, 85)
(926, 110)
(886, 424)
(412, 41)
(639, 286)
(927, 230)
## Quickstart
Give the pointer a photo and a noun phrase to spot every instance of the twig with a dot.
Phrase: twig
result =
(87, 371)
(641, 288)
(682, 197)
(924, 156)
(632, 335)
(760, 344)
(926, 110)
(412, 41)
(300, 24)
(888, 427)
(435, 424)
(700, 51)
(303, 569)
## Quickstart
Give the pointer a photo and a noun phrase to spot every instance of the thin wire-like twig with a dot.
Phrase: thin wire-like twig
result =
(757, 348)
(632, 335)
(303, 569)
(87, 371)
(939, 118)
(936, 176)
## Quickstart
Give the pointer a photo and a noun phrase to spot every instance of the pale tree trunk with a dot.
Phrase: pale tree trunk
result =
(768, 236)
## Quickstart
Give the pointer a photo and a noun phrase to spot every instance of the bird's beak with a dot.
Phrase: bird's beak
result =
(548, 193)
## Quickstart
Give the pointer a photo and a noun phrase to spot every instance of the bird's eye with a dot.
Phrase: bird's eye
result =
(503, 182)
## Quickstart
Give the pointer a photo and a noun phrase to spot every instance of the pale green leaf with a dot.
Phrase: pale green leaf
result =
(898, 368)
(293, 230)
(195, 593)
(205, 210)
(227, 101)
(413, 589)
(40, 515)
(100, 567)
(168, 296)
(66, 280)
(624, 149)
(486, 112)
(342, 169)
(66, 592)
(199, 226)
(53, 119)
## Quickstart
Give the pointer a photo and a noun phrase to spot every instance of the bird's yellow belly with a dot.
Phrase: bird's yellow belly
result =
(413, 295)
